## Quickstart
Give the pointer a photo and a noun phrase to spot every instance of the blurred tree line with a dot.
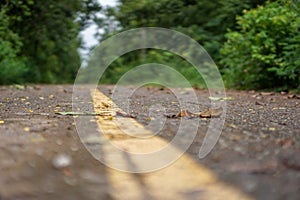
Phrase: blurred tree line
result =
(255, 43)
(39, 39)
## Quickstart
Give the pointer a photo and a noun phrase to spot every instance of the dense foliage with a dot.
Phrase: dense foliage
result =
(255, 43)
(12, 67)
(203, 20)
(39, 39)
(265, 51)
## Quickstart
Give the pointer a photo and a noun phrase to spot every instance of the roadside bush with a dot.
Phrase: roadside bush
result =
(265, 52)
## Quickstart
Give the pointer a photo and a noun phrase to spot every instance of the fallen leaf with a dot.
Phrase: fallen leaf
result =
(2, 122)
(260, 103)
(123, 114)
(293, 96)
(171, 116)
(283, 93)
(267, 93)
(20, 87)
(232, 125)
(85, 113)
(184, 113)
(211, 113)
(220, 98)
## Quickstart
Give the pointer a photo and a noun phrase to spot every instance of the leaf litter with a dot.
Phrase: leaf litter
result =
(221, 98)
(84, 113)
(100, 113)
(210, 113)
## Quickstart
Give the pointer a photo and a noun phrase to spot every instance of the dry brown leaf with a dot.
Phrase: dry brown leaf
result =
(267, 93)
(260, 103)
(124, 114)
(211, 113)
(293, 96)
(185, 113)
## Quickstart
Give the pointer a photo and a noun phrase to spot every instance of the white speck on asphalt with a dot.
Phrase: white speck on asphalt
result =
(61, 161)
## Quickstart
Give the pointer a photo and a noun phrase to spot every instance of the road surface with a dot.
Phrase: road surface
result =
(42, 156)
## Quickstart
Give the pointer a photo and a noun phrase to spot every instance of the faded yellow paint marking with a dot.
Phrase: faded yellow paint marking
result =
(184, 179)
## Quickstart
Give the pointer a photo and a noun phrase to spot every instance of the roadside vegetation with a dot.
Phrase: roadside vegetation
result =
(39, 39)
(255, 44)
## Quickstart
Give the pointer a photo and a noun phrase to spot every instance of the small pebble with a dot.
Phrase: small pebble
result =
(61, 161)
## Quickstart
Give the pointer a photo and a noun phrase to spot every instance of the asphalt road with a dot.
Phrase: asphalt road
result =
(42, 156)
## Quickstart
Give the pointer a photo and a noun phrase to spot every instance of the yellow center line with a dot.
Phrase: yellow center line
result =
(183, 179)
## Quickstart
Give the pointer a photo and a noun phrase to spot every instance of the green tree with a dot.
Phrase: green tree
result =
(48, 32)
(203, 20)
(12, 67)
